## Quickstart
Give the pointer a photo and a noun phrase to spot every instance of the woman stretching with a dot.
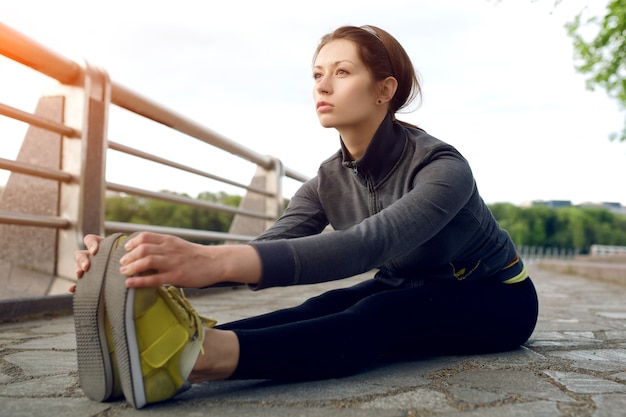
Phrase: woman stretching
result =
(400, 201)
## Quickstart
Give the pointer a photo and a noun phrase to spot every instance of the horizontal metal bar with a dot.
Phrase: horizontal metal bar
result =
(143, 106)
(185, 233)
(34, 170)
(144, 155)
(185, 200)
(34, 120)
(298, 176)
(26, 51)
(22, 219)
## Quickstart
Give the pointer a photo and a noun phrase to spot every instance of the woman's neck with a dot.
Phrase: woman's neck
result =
(356, 139)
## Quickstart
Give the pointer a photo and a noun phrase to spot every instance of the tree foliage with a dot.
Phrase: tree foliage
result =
(574, 228)
(132, 209)
(602, 57)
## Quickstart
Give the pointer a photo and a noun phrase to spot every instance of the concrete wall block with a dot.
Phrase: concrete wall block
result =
(32, 250)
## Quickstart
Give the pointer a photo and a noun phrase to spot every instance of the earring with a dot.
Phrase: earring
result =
(379, 101)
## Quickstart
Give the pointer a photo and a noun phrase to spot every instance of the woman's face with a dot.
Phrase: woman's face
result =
(344, 90)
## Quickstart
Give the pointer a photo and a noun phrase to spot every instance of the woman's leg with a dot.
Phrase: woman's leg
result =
(442, 317)
(330, 302)
(222, 344)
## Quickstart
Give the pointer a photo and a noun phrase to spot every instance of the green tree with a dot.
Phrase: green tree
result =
(574, 228)
(571, 228)
(132, 209)
(602, 57)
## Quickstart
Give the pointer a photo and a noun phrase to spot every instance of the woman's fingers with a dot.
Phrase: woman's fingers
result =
(92, 243)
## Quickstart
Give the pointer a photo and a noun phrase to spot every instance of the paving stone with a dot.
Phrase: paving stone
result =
(375, 382)
(562, 343)
(554, 374)
(476, 397)
(409, 374)
(521, 356)
(419, 399)
(570, 325)
(60, 342)
(532, 409)
(621, 315)
(6, 336)
(563, 339)
(615, 335)
(173, 408)
(66, 407)
(582, 336)
(596, 360)
(42, 363)
(63, 324)
(3, 380)
(46, 386)
(525, 383)
(610, 405)
(585, 384)
(262, 392)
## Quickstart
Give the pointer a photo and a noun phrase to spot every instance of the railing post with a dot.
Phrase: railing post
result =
(270, 203)
(82, 201)
(274, 184)
(28, 253)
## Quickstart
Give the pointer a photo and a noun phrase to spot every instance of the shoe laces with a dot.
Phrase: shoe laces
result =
(186, 313)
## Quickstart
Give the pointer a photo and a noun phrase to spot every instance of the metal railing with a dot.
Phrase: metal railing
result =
(607, 250)
(82, 100)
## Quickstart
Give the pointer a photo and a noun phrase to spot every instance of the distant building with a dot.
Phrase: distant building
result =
(552, 203)
(611, 206)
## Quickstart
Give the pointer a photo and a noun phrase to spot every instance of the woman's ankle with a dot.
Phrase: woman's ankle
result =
(220, 357)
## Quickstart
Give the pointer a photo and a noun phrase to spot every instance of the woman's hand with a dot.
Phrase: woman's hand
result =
(155, 259)
(81, 257)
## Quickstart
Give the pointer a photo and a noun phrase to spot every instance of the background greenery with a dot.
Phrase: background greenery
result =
(600, 51)
(573, 228)
(132, 209)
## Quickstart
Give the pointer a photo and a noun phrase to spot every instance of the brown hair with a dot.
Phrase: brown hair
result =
(383, 55)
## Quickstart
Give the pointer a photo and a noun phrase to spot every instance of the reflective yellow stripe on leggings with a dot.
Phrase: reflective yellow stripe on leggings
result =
(521, 276)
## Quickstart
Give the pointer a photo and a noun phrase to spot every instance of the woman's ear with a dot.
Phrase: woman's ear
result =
(386, 89)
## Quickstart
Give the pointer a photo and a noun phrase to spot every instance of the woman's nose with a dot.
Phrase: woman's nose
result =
(323, 85)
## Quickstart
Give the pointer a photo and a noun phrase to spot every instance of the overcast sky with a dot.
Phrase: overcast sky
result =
(498, 82)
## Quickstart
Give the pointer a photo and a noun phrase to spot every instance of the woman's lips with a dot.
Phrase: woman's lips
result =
(322, 106)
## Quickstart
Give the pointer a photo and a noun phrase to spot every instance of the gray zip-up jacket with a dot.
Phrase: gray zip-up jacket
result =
(409, 208)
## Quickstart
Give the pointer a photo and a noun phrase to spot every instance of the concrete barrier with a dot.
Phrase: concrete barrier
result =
(605, 268)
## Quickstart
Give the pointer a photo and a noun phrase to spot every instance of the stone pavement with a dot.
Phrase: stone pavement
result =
(574, 365)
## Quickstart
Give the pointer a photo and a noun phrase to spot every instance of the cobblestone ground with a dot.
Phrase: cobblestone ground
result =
(573, 365)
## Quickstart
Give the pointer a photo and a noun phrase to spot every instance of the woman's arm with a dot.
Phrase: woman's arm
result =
(303, 217)
(441, 189)
(156, 259)
(182, 263)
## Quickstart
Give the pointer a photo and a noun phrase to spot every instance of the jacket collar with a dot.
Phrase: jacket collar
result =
(381, 155)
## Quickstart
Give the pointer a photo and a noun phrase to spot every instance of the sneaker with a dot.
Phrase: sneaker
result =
(97, 373)
(157, 336)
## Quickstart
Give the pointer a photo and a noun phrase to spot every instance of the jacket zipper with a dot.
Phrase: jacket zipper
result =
(354, 167)
(373, 197)
(370, 187)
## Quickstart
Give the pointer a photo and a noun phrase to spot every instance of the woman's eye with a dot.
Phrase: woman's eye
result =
(316, 75)
(341, 72)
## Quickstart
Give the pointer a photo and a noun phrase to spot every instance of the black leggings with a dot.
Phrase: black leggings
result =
(343, 331)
